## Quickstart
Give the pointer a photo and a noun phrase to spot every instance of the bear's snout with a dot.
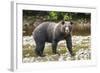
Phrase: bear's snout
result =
(67, 30)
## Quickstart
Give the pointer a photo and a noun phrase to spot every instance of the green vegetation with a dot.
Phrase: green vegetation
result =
(56, 16)
(81, 26)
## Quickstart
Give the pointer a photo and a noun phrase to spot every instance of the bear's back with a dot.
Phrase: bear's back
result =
(50, 31)
(44, 30)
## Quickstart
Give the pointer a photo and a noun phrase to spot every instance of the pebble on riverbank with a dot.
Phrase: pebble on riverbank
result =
(81, 46)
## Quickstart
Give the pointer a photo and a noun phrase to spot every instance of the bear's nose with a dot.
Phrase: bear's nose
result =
(66, 29)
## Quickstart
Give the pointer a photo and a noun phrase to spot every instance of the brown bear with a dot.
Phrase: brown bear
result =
(53, 33)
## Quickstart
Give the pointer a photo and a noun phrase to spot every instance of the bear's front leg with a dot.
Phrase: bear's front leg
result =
(54, 47)
(69, 44)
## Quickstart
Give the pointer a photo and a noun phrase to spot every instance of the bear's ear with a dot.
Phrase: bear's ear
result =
(63, 22)
(71, 22)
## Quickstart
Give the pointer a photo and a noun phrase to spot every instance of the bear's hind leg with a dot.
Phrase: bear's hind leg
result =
(54, 48)
(39, 49)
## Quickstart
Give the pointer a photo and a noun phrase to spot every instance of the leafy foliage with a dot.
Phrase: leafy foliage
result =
(56, 16)
(81, 21)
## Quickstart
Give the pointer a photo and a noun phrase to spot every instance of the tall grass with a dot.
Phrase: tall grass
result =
(81, 29)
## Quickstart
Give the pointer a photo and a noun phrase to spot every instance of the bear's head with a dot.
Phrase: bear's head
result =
(66, 27)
